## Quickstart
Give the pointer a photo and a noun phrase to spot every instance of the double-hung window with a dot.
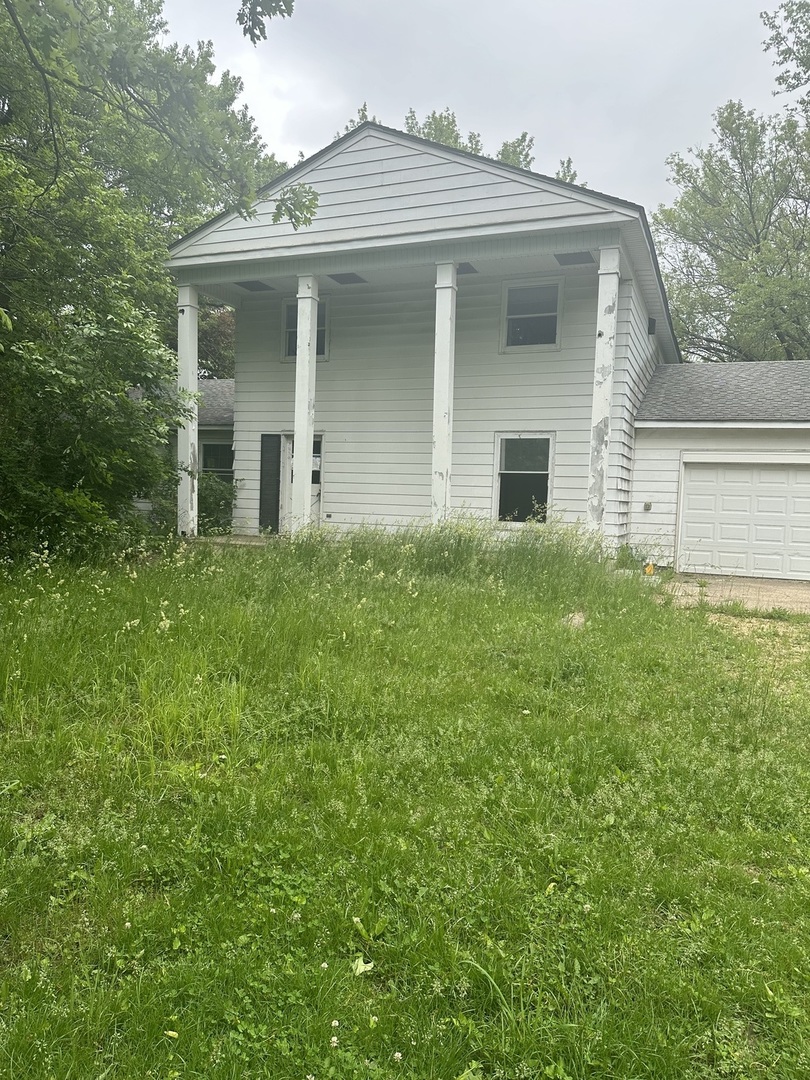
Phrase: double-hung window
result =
(290, 343)
(524, 469)
(531, 317)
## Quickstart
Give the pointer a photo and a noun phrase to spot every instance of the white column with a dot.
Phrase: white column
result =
(187, 432)
(443, 365)
(604, 365)
(305, 367)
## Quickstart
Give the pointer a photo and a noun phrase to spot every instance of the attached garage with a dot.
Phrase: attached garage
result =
(721, 475)
(745, 518)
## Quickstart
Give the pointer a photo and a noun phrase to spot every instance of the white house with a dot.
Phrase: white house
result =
(450, 335)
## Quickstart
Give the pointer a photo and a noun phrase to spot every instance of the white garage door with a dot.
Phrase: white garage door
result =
(745, 519)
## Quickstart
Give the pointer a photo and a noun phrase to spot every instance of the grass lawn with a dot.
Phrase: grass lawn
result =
(381, 807)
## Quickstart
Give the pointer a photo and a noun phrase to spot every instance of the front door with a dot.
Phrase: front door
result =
(270, 483)
(288, 445)
(275, 481)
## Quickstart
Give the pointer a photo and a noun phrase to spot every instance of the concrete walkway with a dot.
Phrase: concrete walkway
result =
(764, 594)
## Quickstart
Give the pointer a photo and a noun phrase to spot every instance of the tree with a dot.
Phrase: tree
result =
(442, 127)
(111, 145)
(253, 15)
(567, 173)
(789, 39)
(736, 242)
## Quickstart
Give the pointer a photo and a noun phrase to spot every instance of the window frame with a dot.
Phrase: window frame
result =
(500, 436)
(223, 474)
(292, 302)
(528, 283)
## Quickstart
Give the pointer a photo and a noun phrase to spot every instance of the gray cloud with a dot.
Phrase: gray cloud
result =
(618, 87)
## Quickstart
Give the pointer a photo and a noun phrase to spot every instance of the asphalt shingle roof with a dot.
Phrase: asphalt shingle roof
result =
(216, 404)
(778, 391)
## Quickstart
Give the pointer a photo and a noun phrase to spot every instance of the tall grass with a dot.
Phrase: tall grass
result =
(421, 805)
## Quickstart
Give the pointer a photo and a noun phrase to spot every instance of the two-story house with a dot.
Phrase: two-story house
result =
(450, 335)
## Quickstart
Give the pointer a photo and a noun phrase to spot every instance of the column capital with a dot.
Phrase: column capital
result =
(446, 275)
(610, 261)
(187, 297)
(307, 287)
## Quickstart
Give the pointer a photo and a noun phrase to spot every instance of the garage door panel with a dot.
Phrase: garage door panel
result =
(768, 505)
(767, 565)
(775, 535)
(735, 504)
(737, 477)
(772, 477)
(697, 531)
(731, 561)
(728, 531)
(744, 519)
(701, 503)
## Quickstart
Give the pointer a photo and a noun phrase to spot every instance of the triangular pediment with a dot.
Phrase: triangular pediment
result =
(378, 187)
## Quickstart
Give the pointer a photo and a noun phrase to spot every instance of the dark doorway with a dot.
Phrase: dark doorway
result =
(270, 483)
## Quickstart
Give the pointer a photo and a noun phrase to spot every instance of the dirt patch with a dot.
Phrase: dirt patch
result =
(760, 594)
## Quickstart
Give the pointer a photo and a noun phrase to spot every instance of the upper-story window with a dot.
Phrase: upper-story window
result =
(290, 343)
(531, 315)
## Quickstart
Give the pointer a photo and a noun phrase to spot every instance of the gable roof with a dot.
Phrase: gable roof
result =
(379, 189)
(369, 137)
(216, 402)
(777, 391)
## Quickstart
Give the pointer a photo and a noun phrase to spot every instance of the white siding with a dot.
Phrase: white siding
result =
(379, 190)
(373, 400)
(540, 392)
(637, 354)
(657, 475)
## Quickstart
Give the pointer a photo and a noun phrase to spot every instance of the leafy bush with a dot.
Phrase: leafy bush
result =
(215, 504)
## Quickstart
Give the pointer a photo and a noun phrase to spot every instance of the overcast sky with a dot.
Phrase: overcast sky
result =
(618, 86)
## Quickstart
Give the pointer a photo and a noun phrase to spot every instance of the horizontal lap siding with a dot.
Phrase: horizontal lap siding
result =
(656, 475)
(636, 356)
(546, 391)
(380, 188)
(373, 405)
(373, 400)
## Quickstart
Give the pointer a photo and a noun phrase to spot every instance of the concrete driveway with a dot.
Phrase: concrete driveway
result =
(764, 594)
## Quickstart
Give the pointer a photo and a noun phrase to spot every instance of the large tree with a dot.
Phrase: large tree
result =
(735, 244)
(111, 145)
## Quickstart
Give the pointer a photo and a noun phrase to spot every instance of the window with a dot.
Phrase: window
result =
(217, 458)
(523, 478)
(531, 315)
(291, 330)
(317, 458)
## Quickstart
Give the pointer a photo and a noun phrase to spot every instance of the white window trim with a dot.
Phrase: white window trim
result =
(518, 283)
(292, 302)
(496, 471)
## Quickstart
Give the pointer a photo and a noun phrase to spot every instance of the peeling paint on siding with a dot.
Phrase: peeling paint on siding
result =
(603, 374)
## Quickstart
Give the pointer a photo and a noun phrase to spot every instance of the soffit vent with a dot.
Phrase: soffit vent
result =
(576, 258)
(348, 279)
(254, 286)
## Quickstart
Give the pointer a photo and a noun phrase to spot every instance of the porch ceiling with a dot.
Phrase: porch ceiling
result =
(230, 292)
